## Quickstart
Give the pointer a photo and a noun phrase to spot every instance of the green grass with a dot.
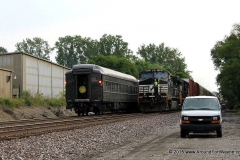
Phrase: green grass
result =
(27, 99)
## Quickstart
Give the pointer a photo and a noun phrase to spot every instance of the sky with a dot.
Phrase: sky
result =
(191, 26)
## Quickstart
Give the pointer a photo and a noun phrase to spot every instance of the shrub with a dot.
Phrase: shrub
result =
(16, 102)
(57, 102)
(30, 100)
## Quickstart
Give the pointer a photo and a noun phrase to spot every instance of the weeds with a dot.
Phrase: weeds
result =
(28, 99)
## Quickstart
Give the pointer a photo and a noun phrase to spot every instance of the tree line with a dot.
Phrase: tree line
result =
(109, 51)
(113, 52)
(226, 59)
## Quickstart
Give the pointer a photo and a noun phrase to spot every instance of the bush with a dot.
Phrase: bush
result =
(37, 100)
(27, 98)
(16, 102)
(5, 102)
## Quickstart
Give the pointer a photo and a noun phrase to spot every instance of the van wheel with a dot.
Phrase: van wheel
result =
(219, 133)
(183, 133)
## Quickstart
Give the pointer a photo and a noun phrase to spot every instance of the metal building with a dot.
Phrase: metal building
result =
(34, 74)
(5, 83)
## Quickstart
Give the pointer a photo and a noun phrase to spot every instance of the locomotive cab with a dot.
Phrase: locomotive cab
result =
(169, 91)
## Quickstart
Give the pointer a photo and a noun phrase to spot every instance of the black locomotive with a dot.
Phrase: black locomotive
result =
(92, 88)
(169, 92)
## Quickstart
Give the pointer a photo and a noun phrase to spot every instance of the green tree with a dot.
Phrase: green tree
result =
(225, 56)
(168, 58)
(115, 63)
(142, 65)
(114, 45)
(75, 50)
(3, 50)
(36, 46)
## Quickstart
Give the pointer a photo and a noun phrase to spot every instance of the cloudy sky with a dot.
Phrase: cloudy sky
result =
(191, 26)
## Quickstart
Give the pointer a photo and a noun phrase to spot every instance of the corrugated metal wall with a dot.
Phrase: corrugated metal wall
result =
(34, 74)
(5, 83)
(43, 77)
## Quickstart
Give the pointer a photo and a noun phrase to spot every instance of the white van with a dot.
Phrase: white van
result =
(201, 114)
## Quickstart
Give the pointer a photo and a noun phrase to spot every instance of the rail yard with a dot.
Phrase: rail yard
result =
(153, 136)
(29, 127)
(100, 129)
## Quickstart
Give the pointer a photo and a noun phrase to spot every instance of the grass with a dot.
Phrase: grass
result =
(27, 99)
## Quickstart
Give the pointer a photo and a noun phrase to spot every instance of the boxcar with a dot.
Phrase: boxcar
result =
(92, 88)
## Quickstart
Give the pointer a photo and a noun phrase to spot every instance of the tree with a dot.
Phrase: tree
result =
(168, 58)
(37, 47)
(114, 45)
(142, 65)
(225, 56)
(75, 50)
(113, 62)
(3, 50)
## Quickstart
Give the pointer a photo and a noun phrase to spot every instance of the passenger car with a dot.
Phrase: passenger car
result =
(201, 114)
(93, 88)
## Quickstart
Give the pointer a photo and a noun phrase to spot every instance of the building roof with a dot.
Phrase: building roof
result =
(11, 53)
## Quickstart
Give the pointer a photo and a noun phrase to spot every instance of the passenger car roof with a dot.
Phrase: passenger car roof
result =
(200, 97)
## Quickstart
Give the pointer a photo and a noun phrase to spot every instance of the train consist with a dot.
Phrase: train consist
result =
(92, 88)
(168, 93)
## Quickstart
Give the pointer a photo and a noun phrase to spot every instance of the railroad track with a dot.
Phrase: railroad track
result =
(30, 127)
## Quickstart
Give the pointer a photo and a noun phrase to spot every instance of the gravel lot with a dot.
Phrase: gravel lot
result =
(157, 137)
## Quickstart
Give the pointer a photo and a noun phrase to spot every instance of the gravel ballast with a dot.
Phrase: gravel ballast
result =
(156, 137)
(84, 143)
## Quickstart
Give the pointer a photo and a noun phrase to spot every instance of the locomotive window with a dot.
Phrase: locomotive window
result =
(146, 75)
(161, 75)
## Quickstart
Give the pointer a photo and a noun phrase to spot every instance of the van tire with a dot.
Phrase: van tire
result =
(219, 133)
(184, 133)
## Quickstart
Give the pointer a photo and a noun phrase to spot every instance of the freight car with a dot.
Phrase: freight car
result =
(92, 88)
(196, 89)
(169, 93)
